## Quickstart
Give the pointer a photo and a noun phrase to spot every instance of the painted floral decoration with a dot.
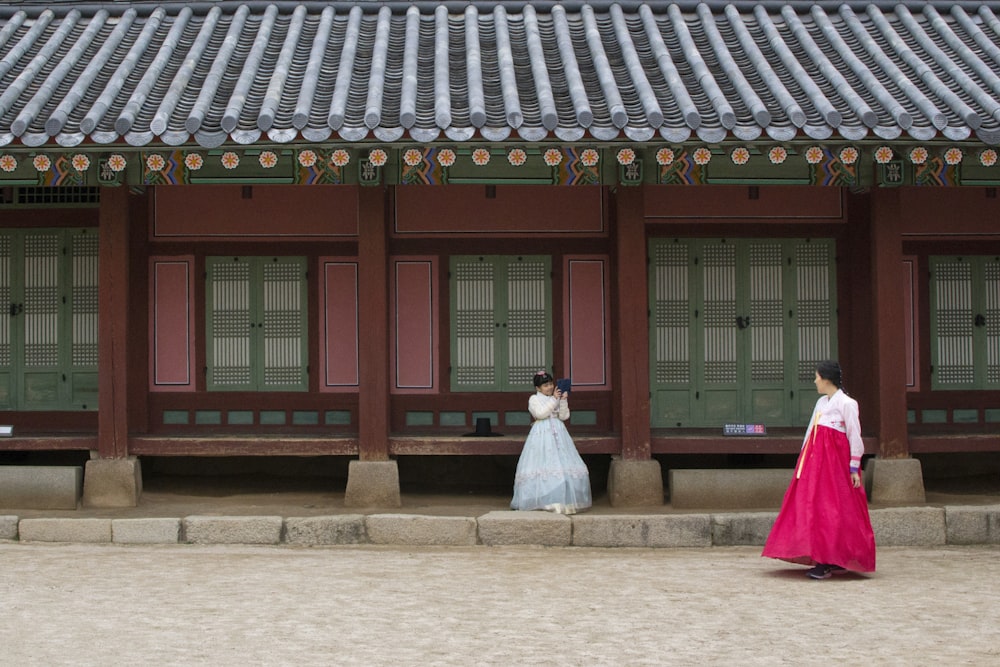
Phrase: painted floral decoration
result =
(777, 155)
(81, 162)
(340, 158)
(446, 157)
(553, 157)
(42, 163)
(849, 155)
(883, 154)
(918, 155)
(589, 157)
(517, 157)
(740, 155)
(193, 161)
(307, 158)
(412, 157)
(268, 159)
(664, 157)
(378, 157)
(626, 156)
(702, 156)
(481, 157)
(8, 163)
(953, 156)
(987, 158)
(230, 160)
(814, 155)
(117, 162)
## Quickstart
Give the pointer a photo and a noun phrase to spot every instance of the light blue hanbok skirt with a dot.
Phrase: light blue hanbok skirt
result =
(550, 473)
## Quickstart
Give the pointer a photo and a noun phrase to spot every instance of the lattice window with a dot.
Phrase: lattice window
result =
(48, 334)
(814, 320)
(736, 328)
(501, 314)
(719, 283)
(965, 322)
(85, 296)
(257, 323)
(671, 313)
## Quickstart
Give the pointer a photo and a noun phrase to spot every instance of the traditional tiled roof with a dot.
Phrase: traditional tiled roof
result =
(213, 73)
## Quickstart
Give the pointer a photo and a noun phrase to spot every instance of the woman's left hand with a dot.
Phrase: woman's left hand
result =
(856, 480)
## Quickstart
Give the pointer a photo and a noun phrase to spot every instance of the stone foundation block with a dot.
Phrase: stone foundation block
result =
(320, 530)
(635, 483)
(8, 527)
(112, 483)
(233, 529)
(967, 525)
(751, 528)
(541, 528)
(146, 531)
(64, 530)
(728, 489)
(372, 484)
(412, 529)
(895, 481)
(909, 526)
(678, 530)
(40, 487)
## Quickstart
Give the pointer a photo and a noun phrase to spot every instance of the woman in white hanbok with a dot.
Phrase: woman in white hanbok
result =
(550, 473)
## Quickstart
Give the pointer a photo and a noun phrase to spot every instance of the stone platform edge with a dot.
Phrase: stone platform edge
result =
(905, 526)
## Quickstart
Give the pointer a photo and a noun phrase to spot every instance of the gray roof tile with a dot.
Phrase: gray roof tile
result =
(179, 73)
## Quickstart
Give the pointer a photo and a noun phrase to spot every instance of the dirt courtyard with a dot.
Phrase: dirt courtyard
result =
(239, 605)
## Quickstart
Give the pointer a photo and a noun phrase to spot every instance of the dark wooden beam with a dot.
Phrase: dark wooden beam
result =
(113, 316)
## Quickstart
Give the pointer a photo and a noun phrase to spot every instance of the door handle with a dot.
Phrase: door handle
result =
(980, 321)
(742, 322)
(16, 308)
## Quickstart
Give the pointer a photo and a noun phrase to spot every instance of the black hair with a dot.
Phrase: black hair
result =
(830, 370)
(541, 377)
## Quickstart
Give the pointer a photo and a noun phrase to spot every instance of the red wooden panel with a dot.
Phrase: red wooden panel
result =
(586, 316)
(171, 324)
(258, 210)
(339, 310)
(415, 308)
(910, 328)
(773, 202)
(519, 209)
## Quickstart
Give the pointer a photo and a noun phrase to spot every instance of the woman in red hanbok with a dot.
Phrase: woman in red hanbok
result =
(824, 520)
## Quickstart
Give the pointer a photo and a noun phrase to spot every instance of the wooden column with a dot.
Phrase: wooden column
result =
(373, 324)
(631, 324)
(113, 316)
(887, 304)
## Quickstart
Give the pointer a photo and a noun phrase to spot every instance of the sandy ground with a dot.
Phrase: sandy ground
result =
(236, 605)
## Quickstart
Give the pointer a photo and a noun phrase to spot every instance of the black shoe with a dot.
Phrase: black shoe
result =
(820, 572)
(836, 569)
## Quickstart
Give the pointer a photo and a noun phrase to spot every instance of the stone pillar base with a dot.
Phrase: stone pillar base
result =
(635, 483)
(372, 484)
(112, 482)
(895, 481)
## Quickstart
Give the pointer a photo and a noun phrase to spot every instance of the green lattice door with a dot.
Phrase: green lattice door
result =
(965, 322)
(256, 324)
(501, 332)
(736, 326)
(48, 331)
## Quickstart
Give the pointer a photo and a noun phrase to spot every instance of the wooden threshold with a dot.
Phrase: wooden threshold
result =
(954, 442)
(497, 445)
(37, 443)
(147, 445)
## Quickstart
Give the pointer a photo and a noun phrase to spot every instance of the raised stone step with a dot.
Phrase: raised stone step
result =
(40, 487)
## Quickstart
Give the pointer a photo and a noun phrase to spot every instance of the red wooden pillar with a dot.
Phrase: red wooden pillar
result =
(887, 316)
(631, 326)
(373, 325)
(113, 318)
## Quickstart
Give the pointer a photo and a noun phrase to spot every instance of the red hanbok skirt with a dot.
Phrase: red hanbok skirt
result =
(823, 518)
